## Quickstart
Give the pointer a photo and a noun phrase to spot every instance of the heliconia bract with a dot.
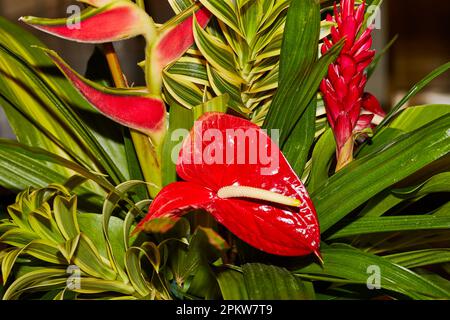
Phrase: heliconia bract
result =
(115, 21)
(129, 107)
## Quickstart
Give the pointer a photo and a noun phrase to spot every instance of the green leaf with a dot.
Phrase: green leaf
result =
(190, 69)
(18, 237)
(65, 212)
(134, 167)
(392, 224)
(116, 254)
(420, 258)
(30, 168)
(301, 38)
(322, 157)
(298, 56)
(343, 263)
(129, 219)
(369, 175)
(251, 16)
(232, 285)
(219, 55)
(222, 86)
(8, 262)
(267, 282)
(88, 258)
(92, 225)
(134, 270)
(298, 145)
(45, 251)
(179, 5)
(180, 118)
(413, 91)
(39, 280)
(214, 239)
(45, 226)
(438, 183)
(223, 10)
(37, 104)
(295, 94)
(184, 92)
(408, 120)
(95, 285)
(380, 204)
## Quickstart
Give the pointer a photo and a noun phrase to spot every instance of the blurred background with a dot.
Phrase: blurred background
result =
(422, 45)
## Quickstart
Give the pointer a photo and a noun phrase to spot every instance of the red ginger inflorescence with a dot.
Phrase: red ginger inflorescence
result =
(343, 88)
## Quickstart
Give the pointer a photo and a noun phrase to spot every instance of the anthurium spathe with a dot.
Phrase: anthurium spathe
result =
(343, 88)
(232, 169)
(129, 107)
(117, 20)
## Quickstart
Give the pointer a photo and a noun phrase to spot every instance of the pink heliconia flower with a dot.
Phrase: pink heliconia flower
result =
(112, 20)
(133, 108)
(343, 88)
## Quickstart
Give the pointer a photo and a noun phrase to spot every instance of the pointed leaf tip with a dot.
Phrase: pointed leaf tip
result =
(131, 108)
(176, 37)
(119, 20)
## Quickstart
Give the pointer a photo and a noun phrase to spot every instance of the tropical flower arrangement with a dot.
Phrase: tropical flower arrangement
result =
(252, 165)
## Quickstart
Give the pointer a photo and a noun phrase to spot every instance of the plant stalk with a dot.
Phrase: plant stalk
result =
(345, 154)
(148, 155)
(141, 4)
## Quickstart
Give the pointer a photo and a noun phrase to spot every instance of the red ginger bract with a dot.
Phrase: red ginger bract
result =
(343, 88)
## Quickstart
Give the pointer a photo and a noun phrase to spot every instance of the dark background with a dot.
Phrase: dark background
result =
(423, 44)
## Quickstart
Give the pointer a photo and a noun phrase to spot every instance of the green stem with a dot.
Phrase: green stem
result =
(345, 154)
(141, 4)
(148, 154)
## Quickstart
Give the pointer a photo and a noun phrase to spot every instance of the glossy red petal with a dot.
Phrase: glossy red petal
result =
(128, 107)
(371, 103)
(178, 198)
(364, 122)
(113, 22)
(342, 130)
(348, 66)
(261, 225)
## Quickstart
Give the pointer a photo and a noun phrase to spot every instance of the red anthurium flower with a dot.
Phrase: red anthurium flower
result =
(233, 170)
(343, 88)
(130, 107)
(116, 20)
